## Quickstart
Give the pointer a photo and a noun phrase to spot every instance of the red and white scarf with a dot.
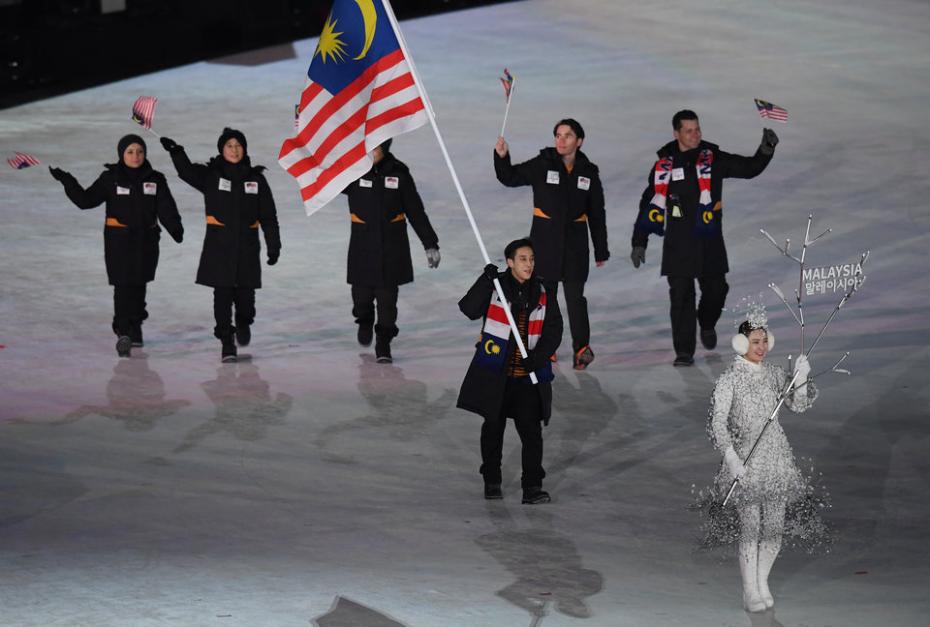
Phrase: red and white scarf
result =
(663, 172)
(495, 322)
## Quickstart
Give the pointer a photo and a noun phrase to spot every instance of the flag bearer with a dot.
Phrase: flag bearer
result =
(497, 385)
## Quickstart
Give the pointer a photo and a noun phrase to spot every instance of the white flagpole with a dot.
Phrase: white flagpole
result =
(507, 110)
(455, 179)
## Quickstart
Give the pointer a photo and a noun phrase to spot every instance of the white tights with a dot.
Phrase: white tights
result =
(761, 526)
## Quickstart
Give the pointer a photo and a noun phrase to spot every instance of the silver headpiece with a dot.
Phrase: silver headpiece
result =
(751, 309)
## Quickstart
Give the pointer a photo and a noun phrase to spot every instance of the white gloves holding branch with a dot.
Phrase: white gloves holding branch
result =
(803, 368)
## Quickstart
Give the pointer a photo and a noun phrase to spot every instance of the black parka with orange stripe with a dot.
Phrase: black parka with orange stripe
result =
(136, 201)
(237, 202)
(566, 206)
(380, 204)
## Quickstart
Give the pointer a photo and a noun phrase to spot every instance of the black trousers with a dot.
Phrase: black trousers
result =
(128, 308)
(522, 403)
(223, 300)
(363, 308)
(683, 314)
(577, 306)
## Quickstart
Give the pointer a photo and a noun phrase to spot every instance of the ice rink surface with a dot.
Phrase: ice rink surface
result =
(310, 485)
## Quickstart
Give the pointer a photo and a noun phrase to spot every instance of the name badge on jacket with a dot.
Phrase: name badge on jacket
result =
(678, 174)
(364, 183)
(251, 187)
(552, 177)
(122, 191)
(225, 185)
(149, 189)
(391, 182)
(584, 183)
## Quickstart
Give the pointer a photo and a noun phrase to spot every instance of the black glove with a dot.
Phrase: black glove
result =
(769, 141)
(490, 272)
(178, 236)
(638, 255)
(170, 145)
(273, 257)
(530, 362)
(58, 174)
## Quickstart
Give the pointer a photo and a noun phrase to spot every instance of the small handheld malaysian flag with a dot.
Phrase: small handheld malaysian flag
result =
(21, 161)
(771, 111)
(507, 82)
(143, 111)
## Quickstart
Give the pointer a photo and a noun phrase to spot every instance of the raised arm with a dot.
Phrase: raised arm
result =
(740, 167)
(194, 175)
(475, 302)
(88, 198)
(507, 173)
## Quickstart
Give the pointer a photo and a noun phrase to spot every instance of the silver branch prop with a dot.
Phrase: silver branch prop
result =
(858, 281)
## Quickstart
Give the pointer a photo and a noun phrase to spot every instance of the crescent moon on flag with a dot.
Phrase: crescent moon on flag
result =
(370, 16)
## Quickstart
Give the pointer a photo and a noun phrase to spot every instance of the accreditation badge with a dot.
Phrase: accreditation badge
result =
(122, 191)
(552, 177)
(364, 183)
(225, 185)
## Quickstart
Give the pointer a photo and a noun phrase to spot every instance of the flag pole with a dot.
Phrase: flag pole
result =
(455, 179)
(507, 110)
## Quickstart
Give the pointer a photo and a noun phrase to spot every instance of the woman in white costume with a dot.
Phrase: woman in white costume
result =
(770, 483)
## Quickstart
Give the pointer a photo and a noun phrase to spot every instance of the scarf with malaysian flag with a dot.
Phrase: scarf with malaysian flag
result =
(491, 351)
(707, 220)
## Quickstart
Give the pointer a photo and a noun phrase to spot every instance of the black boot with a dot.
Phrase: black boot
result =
(492, 491)
(534, 495)
(135, 334)
(383, 350)
(709, 338)
(229, 347)
(243, 335)
(124, 346)
(366, 331)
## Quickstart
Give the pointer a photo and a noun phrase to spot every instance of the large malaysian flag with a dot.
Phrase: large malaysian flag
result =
(360, 91)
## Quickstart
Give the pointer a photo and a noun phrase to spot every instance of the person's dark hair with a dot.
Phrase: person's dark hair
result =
(571, 123)
(684, 114)
(385, 146)
(745, 328)
(516, 245)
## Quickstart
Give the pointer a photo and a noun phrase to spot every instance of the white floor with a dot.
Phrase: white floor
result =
(310, 484)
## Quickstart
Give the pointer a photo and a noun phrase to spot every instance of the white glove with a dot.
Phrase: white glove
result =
(734, 463)
(803, 368)
(432, 257)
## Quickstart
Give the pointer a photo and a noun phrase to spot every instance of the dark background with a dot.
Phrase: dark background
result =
(49, 47)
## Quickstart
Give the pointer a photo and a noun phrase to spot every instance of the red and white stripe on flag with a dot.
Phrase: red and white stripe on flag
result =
(771, 111)
(143, 111)
(21, 160)
(335, 132)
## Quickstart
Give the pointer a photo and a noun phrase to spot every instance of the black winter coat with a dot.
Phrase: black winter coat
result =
(380, 204)
(565, 206)
(482, 390)
(685, 251)
(237, 201)
(137, 200)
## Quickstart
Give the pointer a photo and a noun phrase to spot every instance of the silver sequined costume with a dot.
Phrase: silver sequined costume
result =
(743, 399)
